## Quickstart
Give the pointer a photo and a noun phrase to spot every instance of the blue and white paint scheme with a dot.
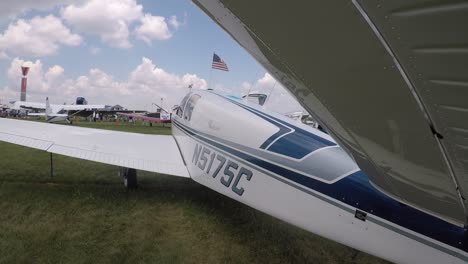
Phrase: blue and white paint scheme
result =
(300, 175)
(286, 169)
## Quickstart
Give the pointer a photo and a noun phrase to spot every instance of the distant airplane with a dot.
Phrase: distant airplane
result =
(51, 116)
(58, 112)
(54, 113)
(56, 108)
(163, 117)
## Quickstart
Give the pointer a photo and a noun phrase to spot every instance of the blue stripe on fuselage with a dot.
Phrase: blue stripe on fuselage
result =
(296, 145)
(356, 191)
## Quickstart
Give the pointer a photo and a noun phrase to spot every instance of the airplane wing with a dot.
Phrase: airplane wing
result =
(81, 107)
(146, 118)
(154, 153)
(38, 106)
(29, 105)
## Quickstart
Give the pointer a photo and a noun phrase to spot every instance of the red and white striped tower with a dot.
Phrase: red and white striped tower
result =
(24, 82)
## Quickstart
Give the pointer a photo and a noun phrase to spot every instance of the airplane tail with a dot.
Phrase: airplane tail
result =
(48, 110)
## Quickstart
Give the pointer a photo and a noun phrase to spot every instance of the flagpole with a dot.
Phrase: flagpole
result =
(271, 91)
(211, 71)
(209, 80)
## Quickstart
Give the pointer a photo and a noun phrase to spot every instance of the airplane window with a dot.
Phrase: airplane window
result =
(190, 106)
(180, 109)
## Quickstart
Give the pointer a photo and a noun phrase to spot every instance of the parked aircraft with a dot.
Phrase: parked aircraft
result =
(151, 117)
(51, 116)
(385, 80)
(267, 161)
(54, 113)
(56, 108)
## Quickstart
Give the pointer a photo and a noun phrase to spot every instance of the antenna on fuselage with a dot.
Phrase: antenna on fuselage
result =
(271, 91)
(254, 82)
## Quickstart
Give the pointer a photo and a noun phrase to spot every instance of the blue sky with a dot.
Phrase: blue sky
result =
(84, 54)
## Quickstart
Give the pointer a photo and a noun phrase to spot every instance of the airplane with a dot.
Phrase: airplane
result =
(267, 161)
(57, 112)
(51, 116)
(386, 80)
(163, 117)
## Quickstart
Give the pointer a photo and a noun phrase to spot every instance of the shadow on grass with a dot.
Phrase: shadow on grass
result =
(85, 215)
(230, 230)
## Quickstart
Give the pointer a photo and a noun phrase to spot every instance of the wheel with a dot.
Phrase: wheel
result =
(130, 178)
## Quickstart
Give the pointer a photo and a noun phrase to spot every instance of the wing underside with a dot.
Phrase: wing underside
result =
(154, 153)
(387, 81)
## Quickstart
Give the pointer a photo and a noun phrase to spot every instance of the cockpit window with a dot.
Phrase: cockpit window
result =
(180, 109)
(190, 106)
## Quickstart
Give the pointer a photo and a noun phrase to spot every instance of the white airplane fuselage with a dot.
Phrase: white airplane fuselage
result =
(54, 113)
(300, 175)
(57, 118)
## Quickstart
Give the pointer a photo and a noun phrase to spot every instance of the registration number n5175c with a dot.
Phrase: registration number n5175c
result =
(213, 163)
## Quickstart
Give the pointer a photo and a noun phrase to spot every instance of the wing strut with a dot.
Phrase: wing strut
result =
(51, 166)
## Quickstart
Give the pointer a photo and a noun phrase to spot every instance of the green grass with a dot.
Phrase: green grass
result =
(84, 215)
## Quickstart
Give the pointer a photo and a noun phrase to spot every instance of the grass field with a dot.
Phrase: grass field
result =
(84, 215)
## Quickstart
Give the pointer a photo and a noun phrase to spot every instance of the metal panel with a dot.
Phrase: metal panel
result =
(430, 39)
(326, 54)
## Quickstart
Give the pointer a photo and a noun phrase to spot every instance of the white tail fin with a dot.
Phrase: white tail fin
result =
(48, 110)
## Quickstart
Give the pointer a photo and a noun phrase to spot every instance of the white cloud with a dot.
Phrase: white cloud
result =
(4, 56)
(39, 84)
(94, 50)
(279, 99)
(153, 27)
(109, 19)
(174, 22)
(112, 21)
(145, 84)
(39, 36)
(53, 74)
(97, 86)
(154, 83)
(10, 9)
(35, 75)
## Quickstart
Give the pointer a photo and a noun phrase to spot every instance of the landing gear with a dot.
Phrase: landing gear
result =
(129, 177)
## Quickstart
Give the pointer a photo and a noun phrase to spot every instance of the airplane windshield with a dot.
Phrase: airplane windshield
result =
(180, 109)
(190, 106)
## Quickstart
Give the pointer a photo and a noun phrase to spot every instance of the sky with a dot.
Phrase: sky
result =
(127, 52)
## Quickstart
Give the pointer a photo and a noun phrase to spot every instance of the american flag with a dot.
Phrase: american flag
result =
(218, 63)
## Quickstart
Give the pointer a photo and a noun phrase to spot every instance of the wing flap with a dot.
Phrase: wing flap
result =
(155, 153)
(25, 141)
(121, 160)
